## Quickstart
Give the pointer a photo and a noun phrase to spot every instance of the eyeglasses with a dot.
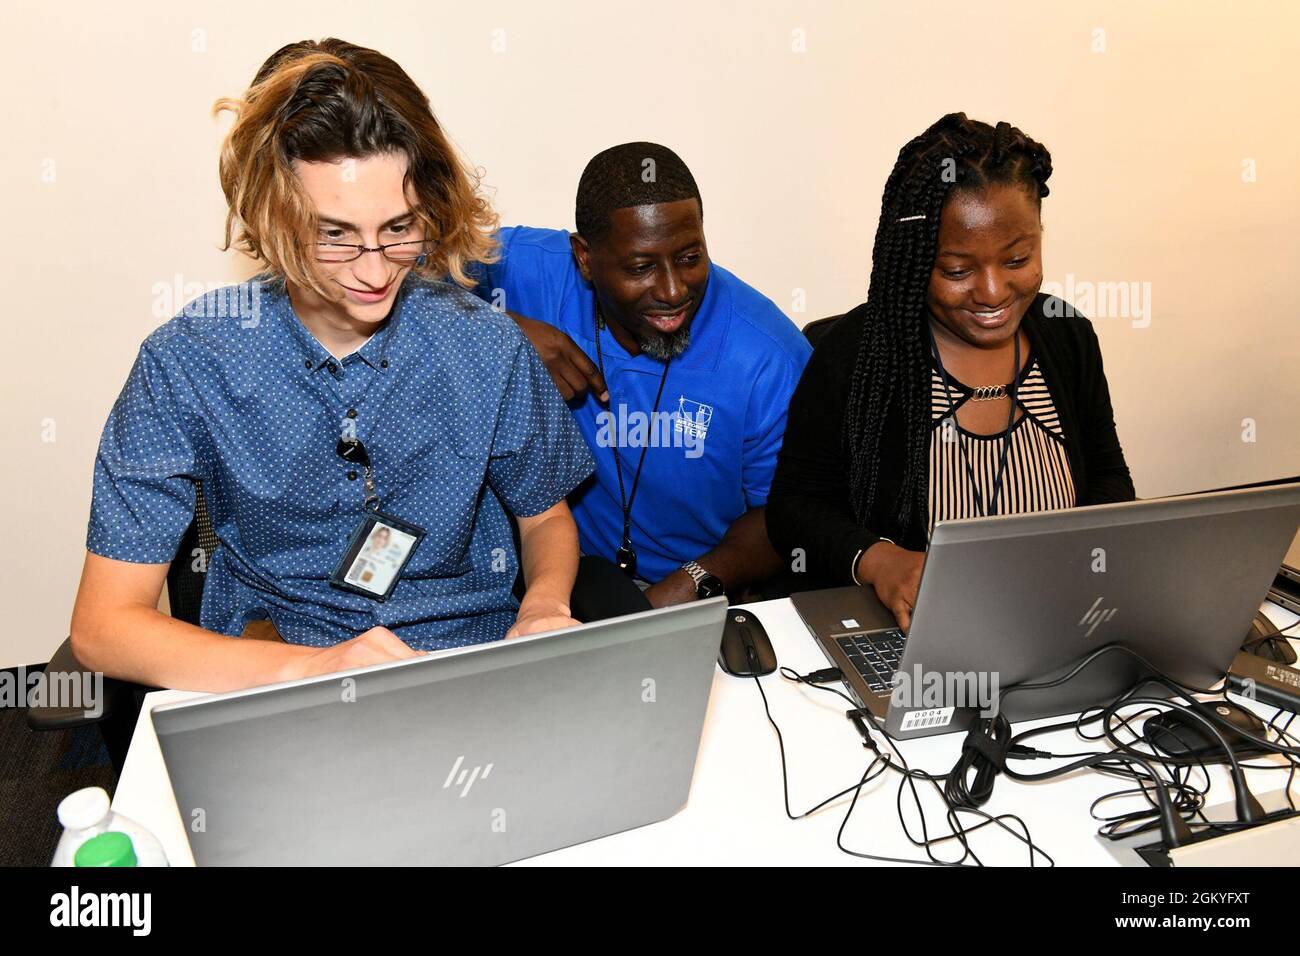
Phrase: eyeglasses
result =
(399, 253)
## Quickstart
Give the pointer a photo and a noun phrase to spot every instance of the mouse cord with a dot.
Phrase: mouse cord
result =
(785, 779)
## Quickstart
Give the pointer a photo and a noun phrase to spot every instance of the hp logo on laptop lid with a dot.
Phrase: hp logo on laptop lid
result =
(477, 773)
(1095, 616)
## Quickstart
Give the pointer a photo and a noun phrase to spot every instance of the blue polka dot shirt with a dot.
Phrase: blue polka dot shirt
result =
(460, 419)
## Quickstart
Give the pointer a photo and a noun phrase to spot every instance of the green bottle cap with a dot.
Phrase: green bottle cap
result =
(107, 849)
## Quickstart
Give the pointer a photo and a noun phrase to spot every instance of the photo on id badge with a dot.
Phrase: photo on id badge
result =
(379, 550)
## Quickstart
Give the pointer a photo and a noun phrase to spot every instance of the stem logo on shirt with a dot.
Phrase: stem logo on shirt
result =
(693, 417)
(625, 428)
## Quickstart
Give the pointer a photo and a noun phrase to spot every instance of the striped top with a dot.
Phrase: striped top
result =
(1037, 473)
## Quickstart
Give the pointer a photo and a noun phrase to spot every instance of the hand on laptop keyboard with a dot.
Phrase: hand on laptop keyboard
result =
(895, 573)
(378, 645)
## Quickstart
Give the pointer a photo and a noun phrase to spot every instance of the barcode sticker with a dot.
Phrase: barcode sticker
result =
(925, 719)
(1283, 675)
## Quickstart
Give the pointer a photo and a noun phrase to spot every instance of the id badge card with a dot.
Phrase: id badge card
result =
(377, 553)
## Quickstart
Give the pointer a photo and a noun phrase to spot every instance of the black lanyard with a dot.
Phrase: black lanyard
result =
(1006, 441)
(625, 557)
(351, 449)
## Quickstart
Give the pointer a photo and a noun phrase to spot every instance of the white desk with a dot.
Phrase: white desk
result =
(735, 814)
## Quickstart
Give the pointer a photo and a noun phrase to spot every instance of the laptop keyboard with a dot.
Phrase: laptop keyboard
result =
(875, 656)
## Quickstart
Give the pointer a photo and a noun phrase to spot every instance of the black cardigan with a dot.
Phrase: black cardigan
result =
(809, 505)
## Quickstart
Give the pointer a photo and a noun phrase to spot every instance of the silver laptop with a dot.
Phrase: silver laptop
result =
(478, 755)
(1021, 598)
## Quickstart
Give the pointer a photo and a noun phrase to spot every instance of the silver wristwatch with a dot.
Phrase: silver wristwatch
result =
(707, 585)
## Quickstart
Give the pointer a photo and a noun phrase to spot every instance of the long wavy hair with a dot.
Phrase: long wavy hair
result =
(326, 100)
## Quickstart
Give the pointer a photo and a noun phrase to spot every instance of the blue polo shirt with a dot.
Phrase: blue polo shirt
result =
(460, 418)
(726, 396)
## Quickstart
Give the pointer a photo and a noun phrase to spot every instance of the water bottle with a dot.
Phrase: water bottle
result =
(107, 838)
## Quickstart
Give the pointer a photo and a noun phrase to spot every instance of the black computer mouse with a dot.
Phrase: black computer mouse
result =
(1177, 734)
(1266, 641)
(746, 650)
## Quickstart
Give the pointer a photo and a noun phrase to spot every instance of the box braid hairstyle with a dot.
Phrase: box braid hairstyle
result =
(632, 174)
(892, 367)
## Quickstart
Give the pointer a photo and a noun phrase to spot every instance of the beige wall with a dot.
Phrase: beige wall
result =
(790, 114)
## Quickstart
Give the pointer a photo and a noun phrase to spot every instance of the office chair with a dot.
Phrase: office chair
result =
(817, 328)
(122, 699)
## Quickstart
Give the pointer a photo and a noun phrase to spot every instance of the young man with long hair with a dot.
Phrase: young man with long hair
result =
(359, 391)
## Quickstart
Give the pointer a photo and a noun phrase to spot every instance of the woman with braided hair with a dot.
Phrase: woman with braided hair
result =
(957, 389)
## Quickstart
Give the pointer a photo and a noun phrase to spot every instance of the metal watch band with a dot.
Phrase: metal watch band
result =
(696, 572)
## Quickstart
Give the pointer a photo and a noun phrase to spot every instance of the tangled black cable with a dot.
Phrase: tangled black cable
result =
(880, 764)
(1171, 801)
(1189, 796)
(1175, 801)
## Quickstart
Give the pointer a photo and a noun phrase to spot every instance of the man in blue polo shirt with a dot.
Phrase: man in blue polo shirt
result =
(678, 373)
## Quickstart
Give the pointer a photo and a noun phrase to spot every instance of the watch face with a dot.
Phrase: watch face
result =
(710, 586)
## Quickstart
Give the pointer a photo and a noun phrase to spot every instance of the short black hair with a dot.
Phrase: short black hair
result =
(632, 174)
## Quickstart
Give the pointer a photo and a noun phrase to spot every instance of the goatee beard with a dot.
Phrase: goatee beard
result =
(665, 346)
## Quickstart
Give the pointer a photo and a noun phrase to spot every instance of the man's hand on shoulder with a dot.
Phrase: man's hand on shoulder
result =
(571, 370)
